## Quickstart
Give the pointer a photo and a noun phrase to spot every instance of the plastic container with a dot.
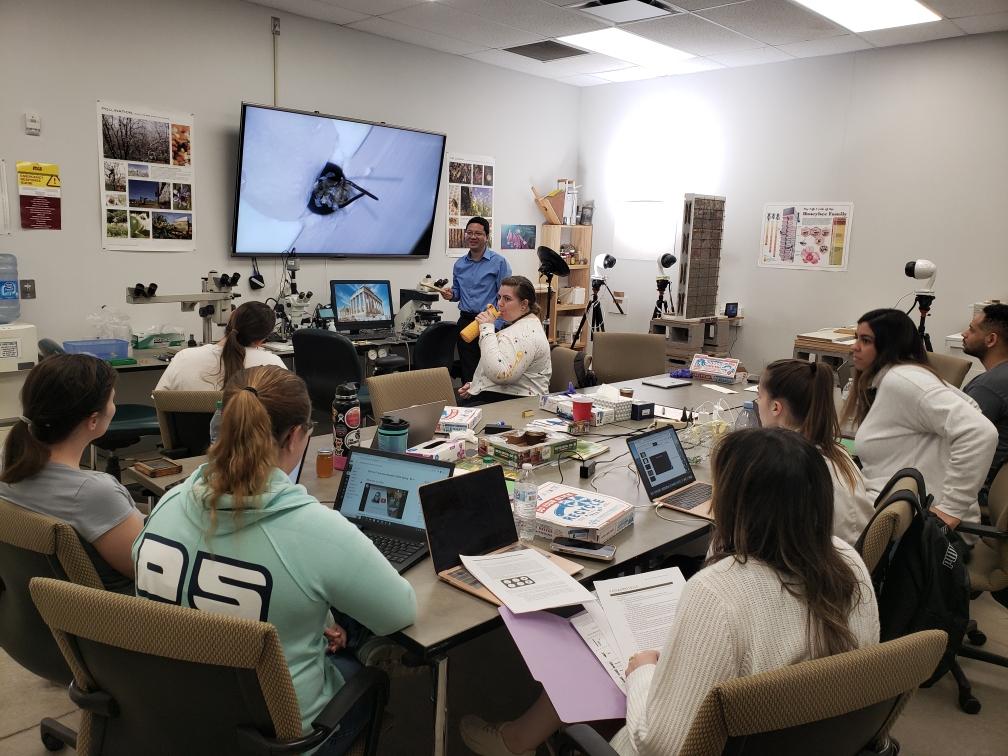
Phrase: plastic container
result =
(747, 417)
(104, 349)
(471, 332)
(526, 497)
(392, 434)
(215, 421)
(10, 300)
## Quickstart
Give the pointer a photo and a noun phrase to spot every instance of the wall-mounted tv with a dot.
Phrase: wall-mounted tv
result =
(334, 187)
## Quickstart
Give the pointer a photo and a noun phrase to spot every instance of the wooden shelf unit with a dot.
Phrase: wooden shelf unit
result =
(580, 237)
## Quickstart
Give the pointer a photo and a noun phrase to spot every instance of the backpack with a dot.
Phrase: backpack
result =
(921, 581)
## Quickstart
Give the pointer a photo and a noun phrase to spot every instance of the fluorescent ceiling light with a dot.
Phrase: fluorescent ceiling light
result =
(629, 74)
(869, 15)
(626, 11)
(617, 43)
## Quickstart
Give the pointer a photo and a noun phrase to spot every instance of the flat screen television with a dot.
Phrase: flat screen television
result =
(361, 305)
(324, 186)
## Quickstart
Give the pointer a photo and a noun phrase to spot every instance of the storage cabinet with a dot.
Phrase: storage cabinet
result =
(565, 316)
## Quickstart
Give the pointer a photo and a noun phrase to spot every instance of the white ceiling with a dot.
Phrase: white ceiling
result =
(722, 33)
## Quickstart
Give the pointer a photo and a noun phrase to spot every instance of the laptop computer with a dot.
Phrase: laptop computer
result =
(422, 419)
(665, 381)
(471, 514)
(667, 475)
(379, 494)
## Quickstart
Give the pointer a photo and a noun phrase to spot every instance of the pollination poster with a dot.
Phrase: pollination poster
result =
(810, 236)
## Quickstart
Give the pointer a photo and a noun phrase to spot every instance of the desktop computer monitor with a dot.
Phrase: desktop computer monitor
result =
(361, 305)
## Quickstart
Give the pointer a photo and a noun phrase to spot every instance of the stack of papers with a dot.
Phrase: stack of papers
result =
(525, 580)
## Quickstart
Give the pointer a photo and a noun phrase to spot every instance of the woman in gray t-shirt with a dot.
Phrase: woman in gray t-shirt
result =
(68, 402)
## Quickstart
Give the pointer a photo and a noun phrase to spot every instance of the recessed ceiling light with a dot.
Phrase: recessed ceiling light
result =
(624, 11)
(869, 15)
(617, 43)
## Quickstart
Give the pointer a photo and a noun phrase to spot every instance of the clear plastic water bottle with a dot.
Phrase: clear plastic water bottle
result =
(10, 302)
(747, 417)
(848, 387)
(526, 497)
(215, 422)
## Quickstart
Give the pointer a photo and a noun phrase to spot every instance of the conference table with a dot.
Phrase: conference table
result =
(448, 617)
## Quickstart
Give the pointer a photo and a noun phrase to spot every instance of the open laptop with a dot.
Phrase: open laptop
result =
(379, 494)
(665, 382)
(471, 514)
(667, 474)
(422, 419)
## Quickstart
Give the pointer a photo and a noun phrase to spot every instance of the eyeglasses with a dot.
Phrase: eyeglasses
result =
(309, 427)
(475, 233)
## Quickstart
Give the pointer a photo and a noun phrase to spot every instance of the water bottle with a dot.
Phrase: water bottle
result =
(848, 387)
(346, 422)
(215, 422)
(393, 432)
(747, 417)
(10, 302)
(526, 497)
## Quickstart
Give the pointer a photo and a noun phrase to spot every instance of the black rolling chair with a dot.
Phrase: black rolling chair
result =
(435, 347)
(324, 360)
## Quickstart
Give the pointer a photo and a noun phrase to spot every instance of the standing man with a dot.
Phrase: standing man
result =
(986, 338)
(476, 277)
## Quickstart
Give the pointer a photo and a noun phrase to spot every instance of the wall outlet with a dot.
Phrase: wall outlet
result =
(27, 288)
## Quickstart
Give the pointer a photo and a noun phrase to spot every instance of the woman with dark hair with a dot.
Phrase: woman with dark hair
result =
(776, 589)
(67, 402)
(798, 395)
(514, 361)
(209, 367)
(238, 537)
(909, 417)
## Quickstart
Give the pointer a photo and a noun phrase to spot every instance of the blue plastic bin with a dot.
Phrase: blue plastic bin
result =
(104, 349)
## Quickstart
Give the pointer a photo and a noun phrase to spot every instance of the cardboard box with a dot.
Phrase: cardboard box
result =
(514, 455)
(442, 449)
(459, 419)
(567, 512)
(717, 369)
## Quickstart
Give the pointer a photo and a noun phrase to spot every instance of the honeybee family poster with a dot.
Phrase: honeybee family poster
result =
(470, 192)
(806, 236)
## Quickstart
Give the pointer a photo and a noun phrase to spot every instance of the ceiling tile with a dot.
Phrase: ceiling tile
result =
(529, 15)
(385, 28)
(694, 5)
(960, 8)
(585, 64)
(583, 80)
(373, 7)
(625, 11)
(829, 46)
(983, 24)
(904, 35)
(752, 57)
(693, 34)
(563, 3)
(774, 22)
(504, 59)
(318, 10)
(451, 22)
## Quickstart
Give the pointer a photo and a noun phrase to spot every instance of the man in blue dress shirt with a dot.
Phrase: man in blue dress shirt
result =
(476, 277)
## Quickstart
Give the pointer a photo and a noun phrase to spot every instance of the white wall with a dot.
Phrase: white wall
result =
(205, 57)
(915, 136)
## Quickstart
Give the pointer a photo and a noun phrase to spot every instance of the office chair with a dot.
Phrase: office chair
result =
(131, 422)
(193, 682)
(624, 356)
(835, 706)
(562, 360)
(184, 418)
(33, 545)
(398, 390)
(435, 347)
(950, 369)
(325, 359)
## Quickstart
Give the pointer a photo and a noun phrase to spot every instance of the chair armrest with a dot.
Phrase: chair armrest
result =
(985, 531)
(97, 702)
(582, 738)
(178, 452)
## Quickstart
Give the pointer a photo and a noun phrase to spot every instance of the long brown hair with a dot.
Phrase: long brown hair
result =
(773, 501)
(262, 405)
(60, 393)
(807, 390)
(249, 323)
(524, 290)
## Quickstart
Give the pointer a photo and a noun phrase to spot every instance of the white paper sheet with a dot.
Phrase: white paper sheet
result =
(597, 639)
(721, 389)
(641, 608)
(754, 388)
(526, 581)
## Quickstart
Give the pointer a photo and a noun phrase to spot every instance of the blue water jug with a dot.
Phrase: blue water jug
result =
(10, 300)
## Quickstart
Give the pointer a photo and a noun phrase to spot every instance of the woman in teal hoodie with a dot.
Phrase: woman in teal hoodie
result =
(238, 537)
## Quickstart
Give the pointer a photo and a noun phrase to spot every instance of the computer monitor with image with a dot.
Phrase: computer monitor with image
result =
(361, 305)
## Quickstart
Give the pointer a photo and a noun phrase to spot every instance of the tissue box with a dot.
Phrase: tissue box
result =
(158, 340)
(599, 415)
(512, 455)
(619, 405)
(442, 449)
(459, 419)
(566, 512)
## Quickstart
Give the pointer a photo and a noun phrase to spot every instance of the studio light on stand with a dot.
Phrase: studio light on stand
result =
(923, 297)
(663, 307)
(602, 263)
(550, 264)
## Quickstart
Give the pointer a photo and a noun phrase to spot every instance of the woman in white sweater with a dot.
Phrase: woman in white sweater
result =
(798, 395)
(909, 417)
(777, 589)
(516, 360)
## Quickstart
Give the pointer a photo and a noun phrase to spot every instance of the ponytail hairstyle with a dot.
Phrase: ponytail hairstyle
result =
(60, 393)
(249, 323)
(773, 502)
(262, 405)
(524, 291)
(807, 390)
(897, 342)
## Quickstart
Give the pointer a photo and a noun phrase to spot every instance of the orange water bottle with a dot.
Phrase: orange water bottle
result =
(471, 332)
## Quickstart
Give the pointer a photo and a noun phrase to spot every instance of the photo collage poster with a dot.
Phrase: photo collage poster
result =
(146, 179)
(470, 192)
(806, 236)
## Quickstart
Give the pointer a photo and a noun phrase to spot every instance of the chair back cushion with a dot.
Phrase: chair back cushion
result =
(184, 417)
(624, 356)
(397, 390)
(950, 369)
(562, 359)
(435, 347)
(324, 360)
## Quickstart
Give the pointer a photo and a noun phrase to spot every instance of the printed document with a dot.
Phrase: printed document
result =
(597, 639)
(526, 581)
(640, 608)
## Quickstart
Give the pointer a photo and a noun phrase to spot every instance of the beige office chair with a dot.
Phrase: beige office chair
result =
(837, 705)
(397, 390)
(950, 369)
(154, 677)
(184, 417)
(624, 356)
(562, 359)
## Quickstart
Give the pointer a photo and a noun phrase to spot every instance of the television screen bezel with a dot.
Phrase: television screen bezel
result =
(332, 255)
(356, 326)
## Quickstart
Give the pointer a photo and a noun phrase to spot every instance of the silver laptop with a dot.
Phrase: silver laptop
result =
(667, 475)
(665, 382)
(422, 419)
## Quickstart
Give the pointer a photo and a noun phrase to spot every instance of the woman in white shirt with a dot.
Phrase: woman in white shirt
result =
(516, 360)
(909, 417)
(798, 395)
(777, 589)
(208, 367)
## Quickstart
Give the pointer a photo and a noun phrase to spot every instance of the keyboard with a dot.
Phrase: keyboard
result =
(372, 336)
(394, 549)
(690, 497)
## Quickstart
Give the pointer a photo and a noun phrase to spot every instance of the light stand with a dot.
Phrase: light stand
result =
(923, 299)
(602, 263)
(663, 307)
(550, 264)
(923, 303)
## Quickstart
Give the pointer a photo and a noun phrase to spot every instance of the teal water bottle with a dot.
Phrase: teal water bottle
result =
(392, 434)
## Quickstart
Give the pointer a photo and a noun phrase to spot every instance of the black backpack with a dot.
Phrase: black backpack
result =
(921, 581)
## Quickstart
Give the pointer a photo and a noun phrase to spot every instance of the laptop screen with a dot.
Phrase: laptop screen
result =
(661, 461)
(383, 486)
(468, 514)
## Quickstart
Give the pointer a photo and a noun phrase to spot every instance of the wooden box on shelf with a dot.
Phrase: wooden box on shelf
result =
(580, 237)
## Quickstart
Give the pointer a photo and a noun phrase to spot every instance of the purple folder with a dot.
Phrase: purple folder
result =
(577, 685)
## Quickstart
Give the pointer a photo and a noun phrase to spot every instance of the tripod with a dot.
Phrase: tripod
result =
(595, 308)
(662, 306)
(923, 302)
